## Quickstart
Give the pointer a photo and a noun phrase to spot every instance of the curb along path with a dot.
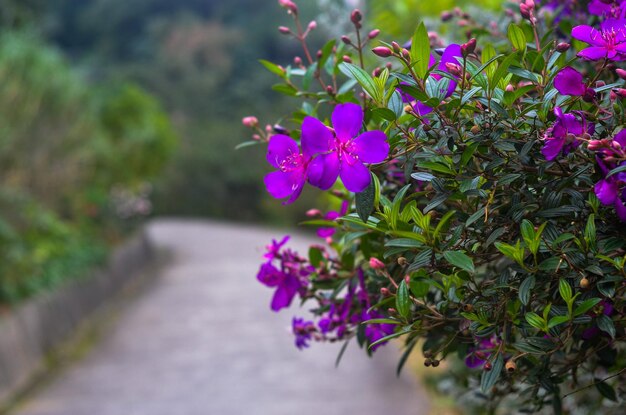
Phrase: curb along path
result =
(201, 340)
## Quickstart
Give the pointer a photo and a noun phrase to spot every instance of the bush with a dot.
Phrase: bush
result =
(483, 196)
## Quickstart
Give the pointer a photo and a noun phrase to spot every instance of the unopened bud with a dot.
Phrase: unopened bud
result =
(475, 129)
(311, 213)
(330, 90)
(620, 92)
(297, 61)
(402, 261)
(376, 72)
(250, 121)
(356, 17)
(524, 10)
(345, 39)
(373, 34)
(435, 362)
(396, 47)
(468, 48)
(407, 279)
(382, 51)
(563, 47)
(453, 69)
(256, 137)
(487, 367)
(284, 30)
(406, 54)
(509, 88)
(312, 25)
(289, 5)
(376, 263)
(279, 129)
(589, 95)
(621, 73)
(446, 16)
(384, 291)
(346, 59)
(428, 362)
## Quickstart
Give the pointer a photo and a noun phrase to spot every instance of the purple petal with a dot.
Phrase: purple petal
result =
(324, 170)
(606, 192)
(316, 137)
(285, 292)
(615, 26)
(552, 148)
(422, 109)
(621, 138)
(450, 55)
(279, 148)
(281, 185)
(354, 175)
(587, 34)
(593, 53)
(598, 8)
(347, 120)
(572, 124)
(325, 232)
(569, 82)
(371, 146)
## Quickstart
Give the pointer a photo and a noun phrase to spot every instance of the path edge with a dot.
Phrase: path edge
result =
(34, 330)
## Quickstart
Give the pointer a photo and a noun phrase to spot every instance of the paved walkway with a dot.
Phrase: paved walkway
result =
(202, 341)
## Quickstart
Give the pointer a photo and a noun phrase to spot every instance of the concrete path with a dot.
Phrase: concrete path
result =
(202, 341)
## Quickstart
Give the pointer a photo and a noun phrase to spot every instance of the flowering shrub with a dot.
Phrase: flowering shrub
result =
(482, 186)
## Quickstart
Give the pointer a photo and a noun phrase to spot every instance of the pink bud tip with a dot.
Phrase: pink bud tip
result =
(312, 25)
(311, 213)
(376, 263)
(250, 121)
(621, 73)
(374, 33)
(284, 30)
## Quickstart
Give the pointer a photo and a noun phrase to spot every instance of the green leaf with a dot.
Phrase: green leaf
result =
(502, 70)
(365, 201)
(273, 68)
(363, 78)
(606, 325)
(525, 289)
(403, 301)
(382, 321)
(489, 378)
(420, 51)
(419, 288)
(535, 320)
(565, 290)
(315, 256)
(556, 320)
(391, 336)
(607, 391)
(586, 306)
(616, 170)
(460, 260)
(517, 37)
(590, 232)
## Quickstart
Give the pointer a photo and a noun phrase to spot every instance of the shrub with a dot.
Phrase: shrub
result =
(483, 195)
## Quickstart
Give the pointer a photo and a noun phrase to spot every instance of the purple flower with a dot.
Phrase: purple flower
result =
(479, 354)
(558, 138)
(375, 332)
(610, 9)
(570, 82)
(332, 215)
(611, 191)
(609, 42)
(273, 250)
(342, 154)
(449, 56)
(283, 153)
(287, 285)
(605, 308)
(303, 330)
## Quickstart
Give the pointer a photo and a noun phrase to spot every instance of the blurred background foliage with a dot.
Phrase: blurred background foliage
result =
(111, 110)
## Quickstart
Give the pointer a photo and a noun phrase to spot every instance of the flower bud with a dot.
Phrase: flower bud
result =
(563, 47)
(312, 25)
(373, 34)
(621, 73)
(468, 48)
(376, 263)
(510, 366)
(487, 367)
(346, 59)
(475, 129)
(250, 121)
(524, 11)
(385, 292)
(382, 51)
(446, 16)
(589, 95)
(279, 129)
(356, 17)
(376, 72)
(402, 261)
(311, 213)
(428, 362)
(396, 47)
(256, 137)
(330, 90)
(345, 39)
(407, 279)
(297, 61)
(620, 92)
(468, 308)
(289, 5)
(284, 30)
(406, 54)
(435, 362)
(453, 69)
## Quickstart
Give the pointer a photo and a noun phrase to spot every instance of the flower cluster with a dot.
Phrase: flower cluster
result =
(482, 197)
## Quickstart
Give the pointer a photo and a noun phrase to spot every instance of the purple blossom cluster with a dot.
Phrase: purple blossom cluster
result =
(326, 155)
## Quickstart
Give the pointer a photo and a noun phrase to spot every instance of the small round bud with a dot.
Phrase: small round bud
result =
(402, 261)
(284, 30)
(289, 5)
(510, 366)
(312, 25)
(453, 68)
(584, 283)
(330, 90)
(428, 354)
(589, 95)
(620, 92)
(428, 362)
(356, 17)
(346, 59)
(509, 88)
(621, 73)
(468, 48)
(297, 61)
(385, 292)
(468, 308)
(446, 16)
(407, 279)
(406, 54)
(487, 367)
(475, 129)
(311, 213)
(345, 39)
(435, 362)
(396, 47)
